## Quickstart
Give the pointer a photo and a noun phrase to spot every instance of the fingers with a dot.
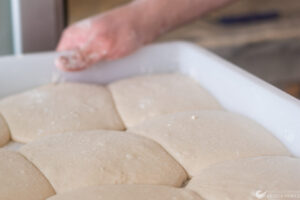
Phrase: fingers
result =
(77, 60)
(67, 41)
(75, 36)
(71, 62)
(105, 37)
(95, 49)
(65, 44)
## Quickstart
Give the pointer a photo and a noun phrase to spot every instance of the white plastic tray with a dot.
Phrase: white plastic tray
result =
(237, 90)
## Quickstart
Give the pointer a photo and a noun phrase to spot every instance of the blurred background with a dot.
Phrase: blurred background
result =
(261, 36)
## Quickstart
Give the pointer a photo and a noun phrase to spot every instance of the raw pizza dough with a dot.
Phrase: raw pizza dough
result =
(252, 178)
(128, 192)
(19, 179)
(4, 132)
(13, 146)
(144, 97)
(201, 138)
(59, 108)
(76, 160)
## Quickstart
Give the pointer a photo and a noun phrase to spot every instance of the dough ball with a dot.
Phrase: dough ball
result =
(128, 192)
(4, 132)
(251, 178)
(76, 160)
(202, 138)
(19, 179)
(59, 108)
(143, 97)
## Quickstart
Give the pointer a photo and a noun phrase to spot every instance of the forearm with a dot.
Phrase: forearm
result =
(158, 16)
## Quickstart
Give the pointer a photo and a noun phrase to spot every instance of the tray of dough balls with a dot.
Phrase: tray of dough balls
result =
(171, 122)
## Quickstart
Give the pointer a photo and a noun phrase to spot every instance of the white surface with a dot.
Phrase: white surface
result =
(237, 90)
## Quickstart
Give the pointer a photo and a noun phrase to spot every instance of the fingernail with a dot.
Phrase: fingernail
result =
(72, 61)
(94, 56)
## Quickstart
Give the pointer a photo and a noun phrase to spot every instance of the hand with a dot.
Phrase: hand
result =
(104, 37)
(121, 31)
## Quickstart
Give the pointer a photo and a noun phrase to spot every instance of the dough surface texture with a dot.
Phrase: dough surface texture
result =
(19, 179)
(75, 160)
(128, 192)
(251, 178)
(4, 132)
(13, 146)
(59, 108)
(202, 138)
(144, 97)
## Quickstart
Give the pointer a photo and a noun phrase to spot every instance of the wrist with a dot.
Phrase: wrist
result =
(147, 20)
